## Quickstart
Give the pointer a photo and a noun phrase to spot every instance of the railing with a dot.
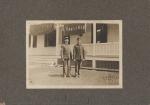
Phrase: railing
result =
(99, 49)
(89, 48)
(98, 52)
(107, 49)
(42, 51)
(95, 50)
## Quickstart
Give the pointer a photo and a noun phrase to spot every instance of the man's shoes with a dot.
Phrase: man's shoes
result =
(68, 75)
(64, 75)
(76, 74)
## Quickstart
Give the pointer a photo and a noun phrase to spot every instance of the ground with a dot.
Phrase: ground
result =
(45, 75)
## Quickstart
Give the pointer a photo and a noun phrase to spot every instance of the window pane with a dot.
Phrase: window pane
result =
(34, 41)
(50, 39)
(29, 40)
(101, 33)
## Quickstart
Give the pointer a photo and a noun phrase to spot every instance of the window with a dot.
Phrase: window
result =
(87, 63)
(50, 39)
(29, 40)
(107, 64)
(101, 33)
(34, 41)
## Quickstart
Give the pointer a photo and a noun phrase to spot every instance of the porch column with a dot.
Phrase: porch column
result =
(57, 41)
(94, 45)
(31, 41)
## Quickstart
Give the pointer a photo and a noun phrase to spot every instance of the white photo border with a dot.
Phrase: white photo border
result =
(120, 86)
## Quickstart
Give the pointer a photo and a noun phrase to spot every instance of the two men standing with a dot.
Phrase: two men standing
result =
(78, 57)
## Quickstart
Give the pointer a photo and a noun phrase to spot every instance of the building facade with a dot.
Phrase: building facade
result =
(100, 40)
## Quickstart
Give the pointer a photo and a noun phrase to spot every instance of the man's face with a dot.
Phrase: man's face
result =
(66, 41)
(78, 41)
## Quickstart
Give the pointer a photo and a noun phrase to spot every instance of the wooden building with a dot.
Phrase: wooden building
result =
(100, 40)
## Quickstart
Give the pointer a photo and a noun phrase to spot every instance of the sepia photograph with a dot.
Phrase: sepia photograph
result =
(74, 54)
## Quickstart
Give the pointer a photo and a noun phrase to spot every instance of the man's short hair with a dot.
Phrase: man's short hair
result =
(78, 38)
(66, 39)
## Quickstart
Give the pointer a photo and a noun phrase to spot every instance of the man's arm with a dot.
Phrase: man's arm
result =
(83, 52)
(61, 52)
(70, 53)
(74, 52)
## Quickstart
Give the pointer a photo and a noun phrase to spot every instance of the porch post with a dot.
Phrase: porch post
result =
(31, 41)
(94, 45)
(57, 41)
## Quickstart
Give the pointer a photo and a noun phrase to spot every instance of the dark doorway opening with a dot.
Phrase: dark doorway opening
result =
(101, 33)
(50, 39)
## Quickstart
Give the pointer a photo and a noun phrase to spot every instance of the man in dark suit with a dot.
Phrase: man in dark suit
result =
(78, 56)
(66, 57)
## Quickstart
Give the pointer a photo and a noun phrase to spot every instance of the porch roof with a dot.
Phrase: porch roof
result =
(41, 29)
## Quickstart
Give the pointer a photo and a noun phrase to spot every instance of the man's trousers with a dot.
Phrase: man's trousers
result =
(77, 66)
(66, 67)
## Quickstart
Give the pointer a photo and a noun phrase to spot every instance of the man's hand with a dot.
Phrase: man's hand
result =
(62, 59)
(83, 59)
